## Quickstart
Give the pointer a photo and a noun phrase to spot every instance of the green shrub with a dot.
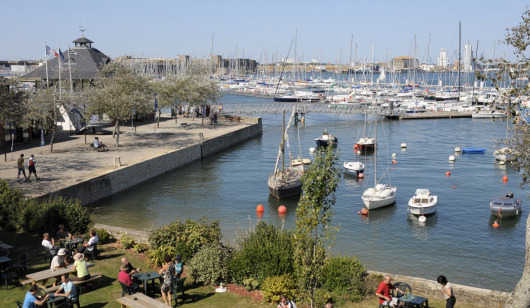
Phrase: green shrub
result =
(187, 237)
(10, 200)
(126, 241)
(273, 287)
(371, 283)
(156, 256)
(265, 251)
(103, 236)
(345, 274)
(45, 216)
(139, 248)
(208, 266)
(322, 297)
(250, 284)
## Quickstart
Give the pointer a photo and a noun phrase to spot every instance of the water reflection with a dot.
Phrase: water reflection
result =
(420, 230)
(379, 215)
(505, 223)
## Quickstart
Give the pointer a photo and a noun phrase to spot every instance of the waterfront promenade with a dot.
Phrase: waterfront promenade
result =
(74, 161)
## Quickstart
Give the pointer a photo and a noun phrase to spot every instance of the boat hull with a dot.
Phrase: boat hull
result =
(353, 168)
(423, 209)
(475, 150)
(326, 142)
(378, 198)
(281, 188)
(503, 210)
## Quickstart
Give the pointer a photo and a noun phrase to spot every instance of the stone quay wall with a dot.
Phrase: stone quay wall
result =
(123, 177)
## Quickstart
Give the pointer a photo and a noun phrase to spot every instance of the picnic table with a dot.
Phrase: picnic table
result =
(3, 260)
(145, 277)
(5, 246)
(71, 244)
(409, 300)
(139, 300)
(43, 276)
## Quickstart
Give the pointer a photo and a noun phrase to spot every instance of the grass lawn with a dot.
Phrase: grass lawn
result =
(103, 293)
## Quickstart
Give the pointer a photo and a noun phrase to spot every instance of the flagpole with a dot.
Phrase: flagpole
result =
(70, 70)
(46, 62)
(59, 60)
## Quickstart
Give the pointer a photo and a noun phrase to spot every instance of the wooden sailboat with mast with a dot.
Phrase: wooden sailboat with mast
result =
(285, 182)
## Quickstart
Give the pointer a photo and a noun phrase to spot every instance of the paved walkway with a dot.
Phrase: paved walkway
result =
(74, 161)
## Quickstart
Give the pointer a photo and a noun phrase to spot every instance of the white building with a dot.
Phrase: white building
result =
(468, 58)
(442, 60)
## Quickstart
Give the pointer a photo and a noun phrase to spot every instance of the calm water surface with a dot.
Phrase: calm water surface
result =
(458, 241)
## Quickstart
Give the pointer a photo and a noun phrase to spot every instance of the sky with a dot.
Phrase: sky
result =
(260, 30)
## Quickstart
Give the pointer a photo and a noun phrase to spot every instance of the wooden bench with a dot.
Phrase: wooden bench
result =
(139, 300)
(184, 125)
(76, 283)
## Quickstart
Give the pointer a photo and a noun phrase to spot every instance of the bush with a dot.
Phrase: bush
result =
(10, 200)
(208, 266)
(103, 236)
(273, 287)
(126, 241)
(44, 216)
(265, 251)
(371, 283)
(156, 256)
(345, 275)
(139, 248)
(250, 284)
(187, 237)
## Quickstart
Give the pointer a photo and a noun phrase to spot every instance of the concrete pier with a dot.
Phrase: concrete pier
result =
(75, 170)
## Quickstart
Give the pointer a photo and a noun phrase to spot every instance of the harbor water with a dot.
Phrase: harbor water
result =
(458, 241)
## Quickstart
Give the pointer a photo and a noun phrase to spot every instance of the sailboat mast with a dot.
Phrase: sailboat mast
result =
(459, 54)
(376, 147)
(283, 141)
(350, 64)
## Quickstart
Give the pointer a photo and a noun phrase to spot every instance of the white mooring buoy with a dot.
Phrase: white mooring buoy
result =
(458, 149)
(312, 150)
(452, 158)
(422, 219)
(403, 145)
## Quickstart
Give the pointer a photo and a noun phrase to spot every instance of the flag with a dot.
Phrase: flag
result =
(53, 52)
(48, 50)
(61, 54)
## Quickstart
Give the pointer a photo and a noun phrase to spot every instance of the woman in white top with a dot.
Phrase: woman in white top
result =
(447, 291)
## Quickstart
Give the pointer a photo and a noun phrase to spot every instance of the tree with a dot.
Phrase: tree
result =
(173, 90)
(11, 102)
(516, 76)
(119, 92)
(42, 110)
(314, 216)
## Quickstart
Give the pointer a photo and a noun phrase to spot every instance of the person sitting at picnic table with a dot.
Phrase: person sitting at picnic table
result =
(125, 278)
(49, 243)
(129, 269)
(62, 234)
(59, 261)
(92, 241)
(383, 292)
(31, 301)
(98, 145)
(81, 268)
(178, 266)
(167, 271)
(68, 288)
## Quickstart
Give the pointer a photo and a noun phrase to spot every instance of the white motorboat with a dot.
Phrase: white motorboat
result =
(423, 202)
(353, 167)
(488, 113)
(506, 206)
(379, 196)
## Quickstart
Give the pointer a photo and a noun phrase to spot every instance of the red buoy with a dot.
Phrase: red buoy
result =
(282, 209)
(394, 162)
(356, 147)
(495, 224)
(260, 208)
(361, 176)
(505, 178)
(448, 173)
(454, 186)
(364, 211)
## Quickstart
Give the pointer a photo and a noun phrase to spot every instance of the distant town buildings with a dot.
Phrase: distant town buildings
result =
(442, 59)
(468, 58)
(404, 63)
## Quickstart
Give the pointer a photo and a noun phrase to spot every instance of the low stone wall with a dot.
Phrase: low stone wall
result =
(464, 294)
(94, 189)
(139, 236)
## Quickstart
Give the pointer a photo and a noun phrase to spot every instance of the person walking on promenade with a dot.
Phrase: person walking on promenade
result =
(31, 168)
(21, 168)
(447, 290)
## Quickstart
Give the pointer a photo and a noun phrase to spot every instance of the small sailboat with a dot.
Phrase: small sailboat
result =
(285, 182)
(380, 195)
(423, 202)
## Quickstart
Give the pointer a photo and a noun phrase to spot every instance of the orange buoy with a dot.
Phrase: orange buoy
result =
(454, 186)
(495, 224)
(448, 173)
(260, 208)
(505, 178)
(394, 162)
(356, 147)
(364, 211)
(282, 209)
(361, 175)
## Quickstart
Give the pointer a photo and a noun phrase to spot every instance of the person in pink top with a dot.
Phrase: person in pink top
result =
(126, 279)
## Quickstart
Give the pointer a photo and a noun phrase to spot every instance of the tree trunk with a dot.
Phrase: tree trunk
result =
(53, 137)
(117, 132)
(520, 296)
(158, 118)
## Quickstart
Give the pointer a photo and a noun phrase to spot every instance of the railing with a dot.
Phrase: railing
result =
(264, 108)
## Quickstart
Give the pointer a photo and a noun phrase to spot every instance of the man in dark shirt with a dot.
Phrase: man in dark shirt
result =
(130, 269)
